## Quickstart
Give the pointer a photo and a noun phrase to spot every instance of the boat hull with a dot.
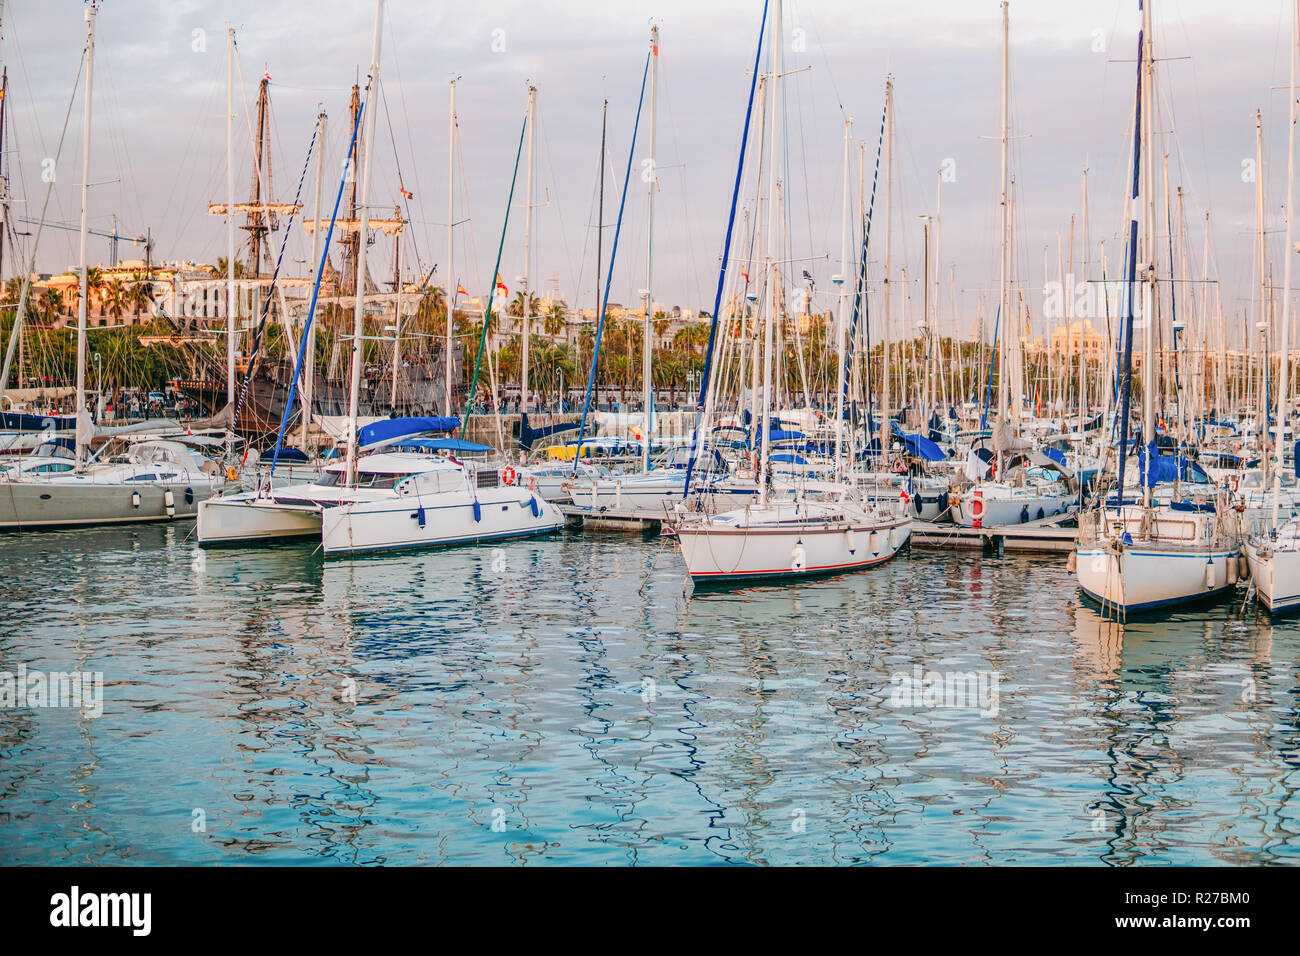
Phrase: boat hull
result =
(246, 519)
(31, 506)
(728, 554)
(1001, 512)
(1141, 577)
(436, 521)
(1276, 574)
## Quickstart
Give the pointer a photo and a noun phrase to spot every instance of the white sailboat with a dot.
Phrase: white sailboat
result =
(1140, 555)
(386, 500)
(1273, 554)
(1031, 494)
(819, 530)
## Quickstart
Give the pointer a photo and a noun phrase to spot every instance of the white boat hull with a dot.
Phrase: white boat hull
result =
(1276, 574)
(1000, 512)
(242, 519)
(718, 554)
(1146, 577)
(436, 520)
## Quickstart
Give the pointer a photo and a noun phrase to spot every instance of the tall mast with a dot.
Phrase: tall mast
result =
(1004, 297)
(232, 303)
(1149, 249)
(652, 183)
(450, 282)
(841, 321)
(600, 213)
(528, 254)
(1284, 329)
(773, 249)
(397, 310)
(309, 360)
(885, 433)
(358, 312)
(1261, 416)
(91, 10)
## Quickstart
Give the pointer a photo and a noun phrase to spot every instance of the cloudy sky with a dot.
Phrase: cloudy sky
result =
(158, 140)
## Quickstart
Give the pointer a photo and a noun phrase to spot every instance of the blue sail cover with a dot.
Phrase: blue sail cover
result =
(1167, 468)
(445, 444)
(389, 430)
(919, 446)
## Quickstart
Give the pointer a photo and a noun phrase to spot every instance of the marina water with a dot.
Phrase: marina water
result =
(564, 700)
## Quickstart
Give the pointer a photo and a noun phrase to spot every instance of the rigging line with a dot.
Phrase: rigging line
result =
(487, 313)
(315, 292)
(266, 303)
(722, 267)
(410, 143)
(392, 138)
(558, 205)
(16, 330)
(609, 275)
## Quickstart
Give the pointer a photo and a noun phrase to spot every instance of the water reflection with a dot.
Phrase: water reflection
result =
(567, 700)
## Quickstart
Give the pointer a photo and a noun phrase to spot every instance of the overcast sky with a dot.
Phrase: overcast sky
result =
(158, 154)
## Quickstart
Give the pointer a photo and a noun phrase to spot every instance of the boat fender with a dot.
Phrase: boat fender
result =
(1024, 514)
(943, 502)
(532, 503)
(1232, 571)
(1243, 566)
(419, 516)
(135, 499)
(874, 543)
(169, 501)
(916, 503)
(1209, 573)
(1072, 562)
(848, 540)
(798, 556)
(189, 496)
(1040, 514)
(478, 512)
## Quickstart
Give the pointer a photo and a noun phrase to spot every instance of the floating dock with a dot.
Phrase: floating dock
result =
(1055, 533)
(610, 519)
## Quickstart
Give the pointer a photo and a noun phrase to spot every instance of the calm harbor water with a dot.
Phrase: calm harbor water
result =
(564, 701)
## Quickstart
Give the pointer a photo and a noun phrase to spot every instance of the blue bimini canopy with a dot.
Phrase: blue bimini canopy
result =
(446, 444)
(388, 430)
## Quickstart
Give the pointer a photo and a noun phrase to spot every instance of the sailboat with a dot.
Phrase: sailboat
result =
(153, 480)
(1137, 554)
(823, 527)
(1009, 496)
(1273, 553)
(386, 500)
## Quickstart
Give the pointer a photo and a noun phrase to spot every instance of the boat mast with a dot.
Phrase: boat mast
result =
(526, 284)
(600, 226)
(652, 184)
(1284, 329)
(450, 282)
(92, 9)
(1004, 299)
(309, 359)
(773, 267)
(885, 433)
(841, 322)
(1148, 258)
(231, 302)
(1261, 325)
(358, 312)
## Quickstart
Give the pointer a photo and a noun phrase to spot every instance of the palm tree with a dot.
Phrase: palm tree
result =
(221, 267)
(114, 298)
(554, 322)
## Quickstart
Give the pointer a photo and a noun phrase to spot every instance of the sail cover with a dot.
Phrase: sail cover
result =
(388, 430)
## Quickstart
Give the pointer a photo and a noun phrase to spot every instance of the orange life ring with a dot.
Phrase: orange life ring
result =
(508, 476)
